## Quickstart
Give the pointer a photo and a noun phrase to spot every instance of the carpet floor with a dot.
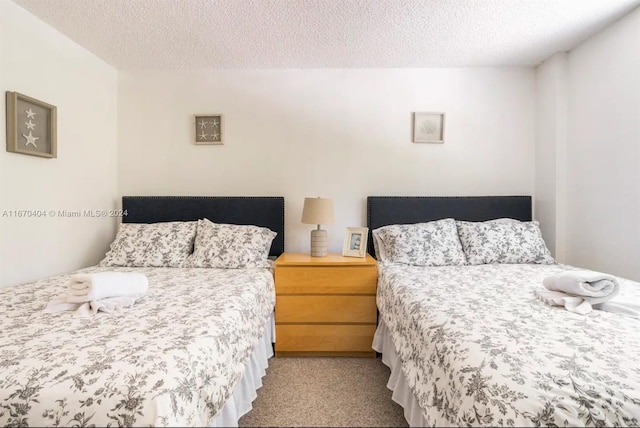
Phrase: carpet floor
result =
(319, 391)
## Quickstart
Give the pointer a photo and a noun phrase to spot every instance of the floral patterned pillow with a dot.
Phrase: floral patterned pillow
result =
(435, 243)
(503, 242)
(231, 246)
(165, 244)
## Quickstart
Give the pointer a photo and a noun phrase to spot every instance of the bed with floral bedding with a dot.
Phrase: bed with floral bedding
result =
(466, 338)
(478, 349)
(172, 359)
(190, 351)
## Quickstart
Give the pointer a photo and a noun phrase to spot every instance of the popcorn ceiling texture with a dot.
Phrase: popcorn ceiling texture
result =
(263, 34)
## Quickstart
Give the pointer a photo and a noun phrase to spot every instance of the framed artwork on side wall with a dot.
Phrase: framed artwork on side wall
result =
(31, 126)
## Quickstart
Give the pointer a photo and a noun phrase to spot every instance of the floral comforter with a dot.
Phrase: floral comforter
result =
(170, 360)
(478, 349)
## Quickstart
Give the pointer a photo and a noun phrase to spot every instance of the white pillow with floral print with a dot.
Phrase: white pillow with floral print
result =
(435, 243)
(166, 244)
(503, 242)
(231, 246)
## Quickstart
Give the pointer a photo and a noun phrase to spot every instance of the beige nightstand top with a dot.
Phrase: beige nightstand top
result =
(297, 259)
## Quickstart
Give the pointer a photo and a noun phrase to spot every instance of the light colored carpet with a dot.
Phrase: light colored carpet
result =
(319, 391)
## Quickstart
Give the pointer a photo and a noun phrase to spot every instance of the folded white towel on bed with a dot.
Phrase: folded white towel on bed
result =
(88, 294)
(88, 309)
(581, 291)
(598, 287)
(90, 287)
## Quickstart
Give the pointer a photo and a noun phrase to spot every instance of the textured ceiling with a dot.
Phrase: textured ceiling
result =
(250, 34)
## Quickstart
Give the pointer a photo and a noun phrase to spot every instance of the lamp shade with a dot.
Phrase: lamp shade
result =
(317, 211)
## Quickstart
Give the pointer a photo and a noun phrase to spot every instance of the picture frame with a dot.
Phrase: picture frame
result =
(209, 129)
(31, 126)
(355, 242)
(428, 127)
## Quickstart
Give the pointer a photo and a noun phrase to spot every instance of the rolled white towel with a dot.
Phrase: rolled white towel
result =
(80, 287)
(98, 286)
(594, 287)
(581, 291)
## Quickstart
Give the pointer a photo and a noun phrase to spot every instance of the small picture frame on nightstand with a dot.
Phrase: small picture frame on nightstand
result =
(355, 242)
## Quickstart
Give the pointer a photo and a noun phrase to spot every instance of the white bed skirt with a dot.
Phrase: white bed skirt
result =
(239, 404)
(402, 394)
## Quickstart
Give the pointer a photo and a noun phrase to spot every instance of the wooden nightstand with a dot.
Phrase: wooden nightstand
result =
(325, 305)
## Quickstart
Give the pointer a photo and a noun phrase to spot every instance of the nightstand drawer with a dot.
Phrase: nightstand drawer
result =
(324, 338)
(326, 280)
(327, 309)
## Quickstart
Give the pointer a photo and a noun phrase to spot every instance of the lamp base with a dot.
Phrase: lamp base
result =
(318, 243)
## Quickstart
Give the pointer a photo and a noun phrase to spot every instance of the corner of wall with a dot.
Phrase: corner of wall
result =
(550, 160)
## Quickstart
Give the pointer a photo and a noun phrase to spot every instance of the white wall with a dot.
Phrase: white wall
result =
(342, 134)
(551, 146)
(603, 151)
(38, 61)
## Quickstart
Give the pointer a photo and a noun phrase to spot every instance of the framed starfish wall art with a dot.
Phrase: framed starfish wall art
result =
(209, 129)
(31, 126)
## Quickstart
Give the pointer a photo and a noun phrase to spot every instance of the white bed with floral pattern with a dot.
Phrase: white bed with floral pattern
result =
(173, 359)
(469, 344)
(191, 351)
(477, 348)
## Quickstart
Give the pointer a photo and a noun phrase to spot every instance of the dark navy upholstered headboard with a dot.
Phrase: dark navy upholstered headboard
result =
(385, 210)
(265, 211)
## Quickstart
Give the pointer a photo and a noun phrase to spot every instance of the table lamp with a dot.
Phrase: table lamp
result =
(318, 211)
